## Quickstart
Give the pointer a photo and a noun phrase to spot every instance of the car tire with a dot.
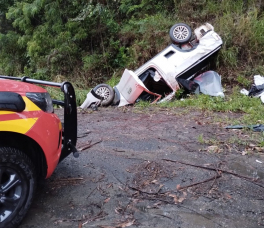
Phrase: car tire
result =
(180, 33)
(106, 92)
(17, 186)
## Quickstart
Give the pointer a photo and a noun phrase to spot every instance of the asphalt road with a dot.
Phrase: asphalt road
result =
(154, 168)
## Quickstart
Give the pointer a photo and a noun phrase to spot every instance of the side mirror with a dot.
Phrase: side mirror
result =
(10, 101)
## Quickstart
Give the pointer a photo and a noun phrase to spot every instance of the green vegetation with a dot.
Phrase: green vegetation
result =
(91, 42)
(235, 102)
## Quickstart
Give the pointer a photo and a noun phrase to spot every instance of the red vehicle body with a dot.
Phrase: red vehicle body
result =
(32, 141)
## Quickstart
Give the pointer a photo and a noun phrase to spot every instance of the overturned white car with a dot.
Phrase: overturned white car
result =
(156, 80)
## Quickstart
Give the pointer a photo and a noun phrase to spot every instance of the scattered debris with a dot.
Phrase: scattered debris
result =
(178, 199)
(257, 127)
(107, 200)
(257, 89)
(99, 216)
(147, 176)
(213, 149)
(244, 153)
(120, 225)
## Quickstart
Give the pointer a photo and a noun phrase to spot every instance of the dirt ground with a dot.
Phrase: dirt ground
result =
(155, 168)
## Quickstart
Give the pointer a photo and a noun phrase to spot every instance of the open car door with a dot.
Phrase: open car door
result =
(130, 87)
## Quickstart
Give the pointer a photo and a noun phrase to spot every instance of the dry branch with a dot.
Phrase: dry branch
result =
(252, 180)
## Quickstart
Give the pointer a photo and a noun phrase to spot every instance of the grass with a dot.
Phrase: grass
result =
(201, 139)
(251, 109)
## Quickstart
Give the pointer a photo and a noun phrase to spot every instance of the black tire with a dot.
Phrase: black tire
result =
(17, 186)
(106, 92)
(180, 33)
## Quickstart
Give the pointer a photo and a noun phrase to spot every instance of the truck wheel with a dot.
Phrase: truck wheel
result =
(17, 186)
(106, 92)
(180, 33)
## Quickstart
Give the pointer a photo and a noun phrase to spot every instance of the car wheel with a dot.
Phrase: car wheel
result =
(106, 92)
(180, 33)
(17, 186)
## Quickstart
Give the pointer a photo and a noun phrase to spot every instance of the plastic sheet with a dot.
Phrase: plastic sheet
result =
(210, 83)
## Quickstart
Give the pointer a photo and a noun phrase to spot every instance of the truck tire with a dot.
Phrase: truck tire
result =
(106, 92)
(180, 33)
(17, 186)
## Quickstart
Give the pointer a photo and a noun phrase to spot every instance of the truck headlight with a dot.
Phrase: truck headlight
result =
(42, 100)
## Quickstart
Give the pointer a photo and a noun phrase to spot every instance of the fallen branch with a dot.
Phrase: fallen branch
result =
(71, 179)
(200, 182)
(100, 215)
(116, 150)
(150, 193)
(164, 216)
(252, 180)
(83, 134)
(89, 145)
(91, 193)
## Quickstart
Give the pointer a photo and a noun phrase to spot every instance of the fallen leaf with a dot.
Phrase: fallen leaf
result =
(183, 197)
(228, 196)
(213, 149)
(118, 209)
(107, 200)
(110, 185)
(157, 204)
(178, 187)
(126, 224)
(175, 198)
(259, 149)
(244, 153)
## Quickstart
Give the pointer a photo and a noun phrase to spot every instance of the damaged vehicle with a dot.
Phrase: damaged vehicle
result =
(158, 79)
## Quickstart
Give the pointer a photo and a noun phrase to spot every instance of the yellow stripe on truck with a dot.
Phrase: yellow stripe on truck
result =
(20, 126)
(6, 112)
(30, 106)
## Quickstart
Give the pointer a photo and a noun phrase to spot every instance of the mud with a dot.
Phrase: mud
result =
(155, 168)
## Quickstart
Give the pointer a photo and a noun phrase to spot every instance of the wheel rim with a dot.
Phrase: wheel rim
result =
(10, 192)
(103, 92)
(181, 32)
